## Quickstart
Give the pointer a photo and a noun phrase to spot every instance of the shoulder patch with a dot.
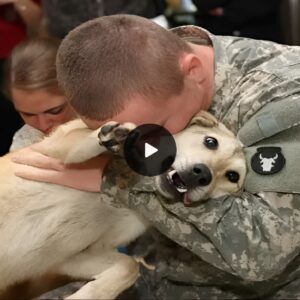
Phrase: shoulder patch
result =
(267, 160)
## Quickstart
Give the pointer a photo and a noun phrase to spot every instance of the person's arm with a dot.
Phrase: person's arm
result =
(253, 237)
(32, 165)
(28, 10)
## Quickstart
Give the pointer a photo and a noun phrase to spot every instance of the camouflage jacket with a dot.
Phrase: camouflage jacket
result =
(253, 239)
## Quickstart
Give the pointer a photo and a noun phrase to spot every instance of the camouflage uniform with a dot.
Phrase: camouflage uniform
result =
(231, 247)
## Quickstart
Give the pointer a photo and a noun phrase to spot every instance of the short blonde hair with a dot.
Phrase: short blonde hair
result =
(32, 65)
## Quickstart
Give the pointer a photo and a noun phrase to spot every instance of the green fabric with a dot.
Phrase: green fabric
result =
(288, 179)
(273, 118)
(275, 125)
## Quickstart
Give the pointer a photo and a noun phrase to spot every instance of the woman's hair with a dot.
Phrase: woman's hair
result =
(104, 62)
(32, 65)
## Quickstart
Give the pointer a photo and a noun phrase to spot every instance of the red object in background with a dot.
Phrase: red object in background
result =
(12, 29)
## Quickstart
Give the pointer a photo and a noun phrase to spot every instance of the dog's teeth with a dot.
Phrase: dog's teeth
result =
(170, 175)
(181, 190)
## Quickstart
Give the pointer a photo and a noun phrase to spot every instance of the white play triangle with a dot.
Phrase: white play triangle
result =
(149, 150)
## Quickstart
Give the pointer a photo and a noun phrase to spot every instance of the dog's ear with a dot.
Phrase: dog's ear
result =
(204, 119)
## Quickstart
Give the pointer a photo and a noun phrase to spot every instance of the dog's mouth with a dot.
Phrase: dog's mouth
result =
(178, 183)
(175, 179)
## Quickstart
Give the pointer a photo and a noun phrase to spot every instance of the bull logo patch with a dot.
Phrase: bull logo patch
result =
(267, 160)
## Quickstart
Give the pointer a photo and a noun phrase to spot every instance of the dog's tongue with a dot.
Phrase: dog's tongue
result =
(186, 200)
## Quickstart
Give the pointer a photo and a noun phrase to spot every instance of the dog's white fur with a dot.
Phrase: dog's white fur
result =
(49, 228)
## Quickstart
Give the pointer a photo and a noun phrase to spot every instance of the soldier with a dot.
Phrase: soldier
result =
(126, 68)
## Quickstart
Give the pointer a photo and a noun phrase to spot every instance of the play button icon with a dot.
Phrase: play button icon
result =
(149, 150)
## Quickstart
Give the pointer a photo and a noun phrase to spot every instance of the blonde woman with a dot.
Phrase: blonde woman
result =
(35, 92)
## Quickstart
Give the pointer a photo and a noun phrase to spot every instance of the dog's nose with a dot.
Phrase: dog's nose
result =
(202, 174)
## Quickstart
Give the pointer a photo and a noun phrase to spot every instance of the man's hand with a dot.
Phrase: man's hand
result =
(87, 176)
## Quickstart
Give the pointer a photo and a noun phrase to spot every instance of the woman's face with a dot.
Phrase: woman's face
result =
(41, 109)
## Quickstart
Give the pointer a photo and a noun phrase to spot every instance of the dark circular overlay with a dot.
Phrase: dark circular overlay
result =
(150, 150)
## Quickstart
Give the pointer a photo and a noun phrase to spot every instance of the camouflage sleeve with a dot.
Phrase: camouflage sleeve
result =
(251, 236)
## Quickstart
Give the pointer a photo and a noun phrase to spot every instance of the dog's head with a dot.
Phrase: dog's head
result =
(210, 163)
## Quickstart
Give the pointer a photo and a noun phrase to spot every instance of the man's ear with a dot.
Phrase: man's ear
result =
(192, 67)
(204, 119)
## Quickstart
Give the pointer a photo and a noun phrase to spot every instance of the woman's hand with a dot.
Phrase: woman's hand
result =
(87, 176)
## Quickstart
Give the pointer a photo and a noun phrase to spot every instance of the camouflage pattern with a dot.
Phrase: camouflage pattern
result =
(231, 247)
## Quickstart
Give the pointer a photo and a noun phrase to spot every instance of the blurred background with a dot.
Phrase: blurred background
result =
(275, 20)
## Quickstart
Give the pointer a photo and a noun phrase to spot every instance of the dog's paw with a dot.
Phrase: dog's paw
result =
(113, 134)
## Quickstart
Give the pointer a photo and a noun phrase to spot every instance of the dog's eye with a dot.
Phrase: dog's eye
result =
(232, 176)
(211, 142)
